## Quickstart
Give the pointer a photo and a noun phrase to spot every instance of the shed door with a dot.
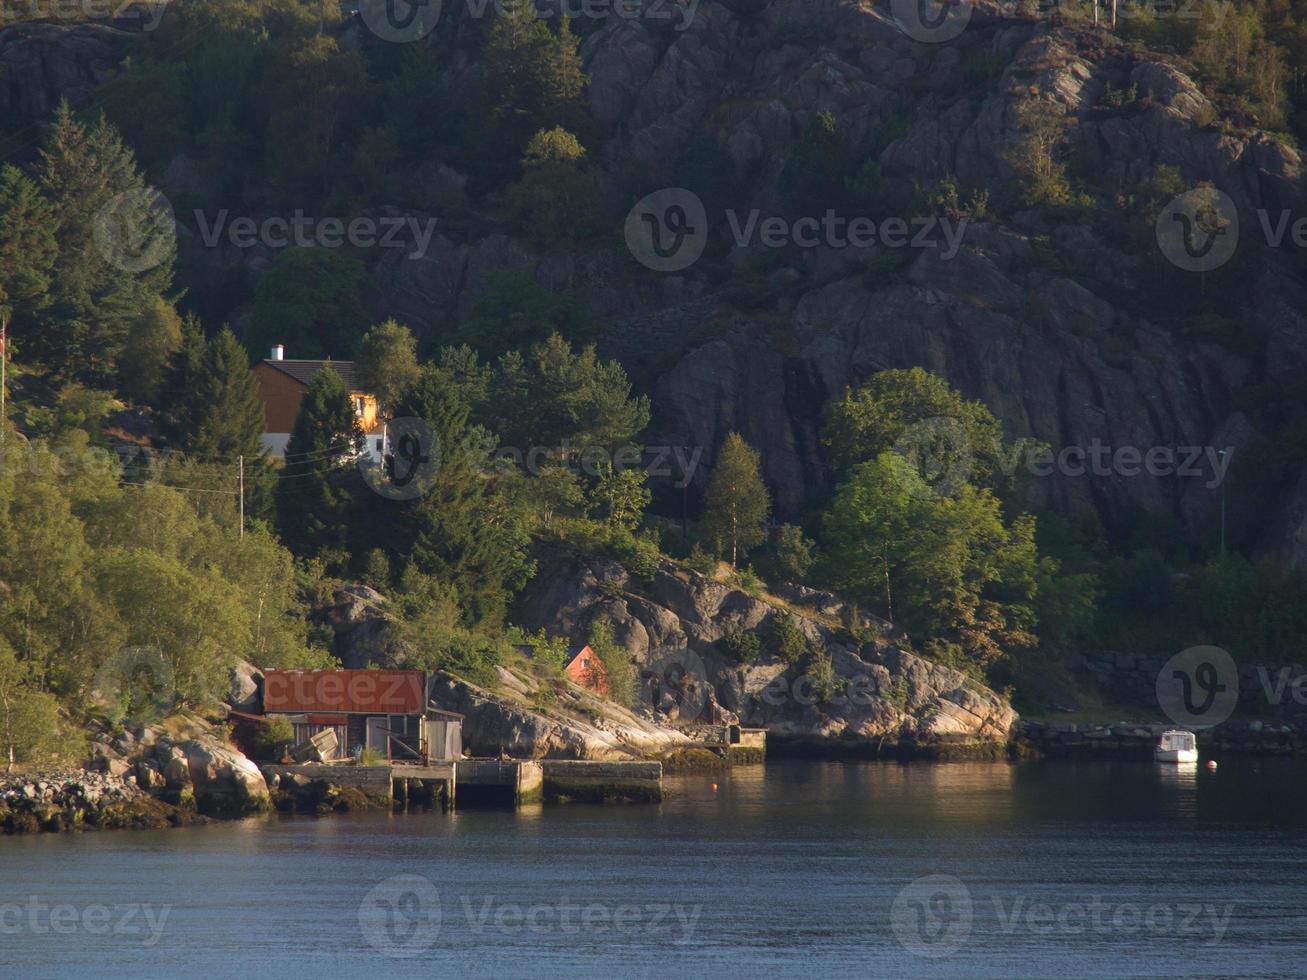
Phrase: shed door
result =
(377, 726)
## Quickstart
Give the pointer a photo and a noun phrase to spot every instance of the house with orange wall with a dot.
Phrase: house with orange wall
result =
(282, 384)
(585, 669)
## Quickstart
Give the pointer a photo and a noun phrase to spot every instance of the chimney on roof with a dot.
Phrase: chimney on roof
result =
(278, 353)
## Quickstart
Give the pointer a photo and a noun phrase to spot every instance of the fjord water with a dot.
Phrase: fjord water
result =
(809, 869)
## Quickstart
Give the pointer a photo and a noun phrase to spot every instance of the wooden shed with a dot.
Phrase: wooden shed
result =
(385, 711)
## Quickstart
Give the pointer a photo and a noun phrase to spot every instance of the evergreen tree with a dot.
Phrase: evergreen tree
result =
(532, 74)
(313, 499)
(224, 414)
(27, 245)
(180, 379)
(457, 531)
(555, 395)
(735, 504)
(89, 176)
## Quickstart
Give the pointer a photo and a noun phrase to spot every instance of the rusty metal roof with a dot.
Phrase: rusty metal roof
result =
(373, 692)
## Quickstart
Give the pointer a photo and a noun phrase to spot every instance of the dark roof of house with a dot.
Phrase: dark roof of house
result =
(304, 371)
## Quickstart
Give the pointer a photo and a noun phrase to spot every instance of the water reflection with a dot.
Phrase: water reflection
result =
(1179, 782)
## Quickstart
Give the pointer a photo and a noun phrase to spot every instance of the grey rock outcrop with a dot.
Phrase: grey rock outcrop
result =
(670, 625)
(565, 723)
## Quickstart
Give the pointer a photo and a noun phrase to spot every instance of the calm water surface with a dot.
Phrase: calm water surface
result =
(875, 869)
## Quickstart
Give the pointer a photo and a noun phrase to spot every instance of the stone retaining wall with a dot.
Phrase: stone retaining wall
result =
(373, 780)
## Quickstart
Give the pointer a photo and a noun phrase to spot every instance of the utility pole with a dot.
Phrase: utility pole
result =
(1221, 453)
(240, 469)
(4, 363)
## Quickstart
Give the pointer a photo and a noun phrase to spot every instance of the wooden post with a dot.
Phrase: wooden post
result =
(240, 464)
(4, 363)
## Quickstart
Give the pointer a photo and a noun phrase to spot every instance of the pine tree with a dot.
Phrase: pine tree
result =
(457, 531)
(312, 500)
(736, 503)
(27, 246)
(82, 171)
(224, 413)
(182, 375)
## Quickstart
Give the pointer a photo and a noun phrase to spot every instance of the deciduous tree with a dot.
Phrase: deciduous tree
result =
(736, 504)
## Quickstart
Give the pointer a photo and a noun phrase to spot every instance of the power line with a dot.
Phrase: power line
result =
(127, 483)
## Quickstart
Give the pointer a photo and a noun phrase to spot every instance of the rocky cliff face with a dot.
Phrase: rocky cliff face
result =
(875, 692)
(42, 63)
(1043, 317)
(522, 720)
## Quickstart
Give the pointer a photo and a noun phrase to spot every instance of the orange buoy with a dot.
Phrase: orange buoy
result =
(714, 787)
(1211, 763)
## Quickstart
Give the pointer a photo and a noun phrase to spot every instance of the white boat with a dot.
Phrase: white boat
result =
(1176, 745)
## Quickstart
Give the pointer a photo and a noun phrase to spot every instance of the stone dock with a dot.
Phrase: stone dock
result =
(482, 782)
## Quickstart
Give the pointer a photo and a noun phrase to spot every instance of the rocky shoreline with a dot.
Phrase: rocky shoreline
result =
(80, 799)
(1051, 740)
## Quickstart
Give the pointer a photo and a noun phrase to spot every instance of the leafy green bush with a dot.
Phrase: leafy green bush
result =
(705, 168)
(616, 661)
(740, 644)
(750, 581)
(310, 301)
(273, 736)
(793, 553)
(516, 312)
(785, 640)
(701, 561)
(556, 200)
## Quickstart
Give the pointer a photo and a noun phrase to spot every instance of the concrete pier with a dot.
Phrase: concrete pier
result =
(502, 783)
(597, 782)
(430, 784)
